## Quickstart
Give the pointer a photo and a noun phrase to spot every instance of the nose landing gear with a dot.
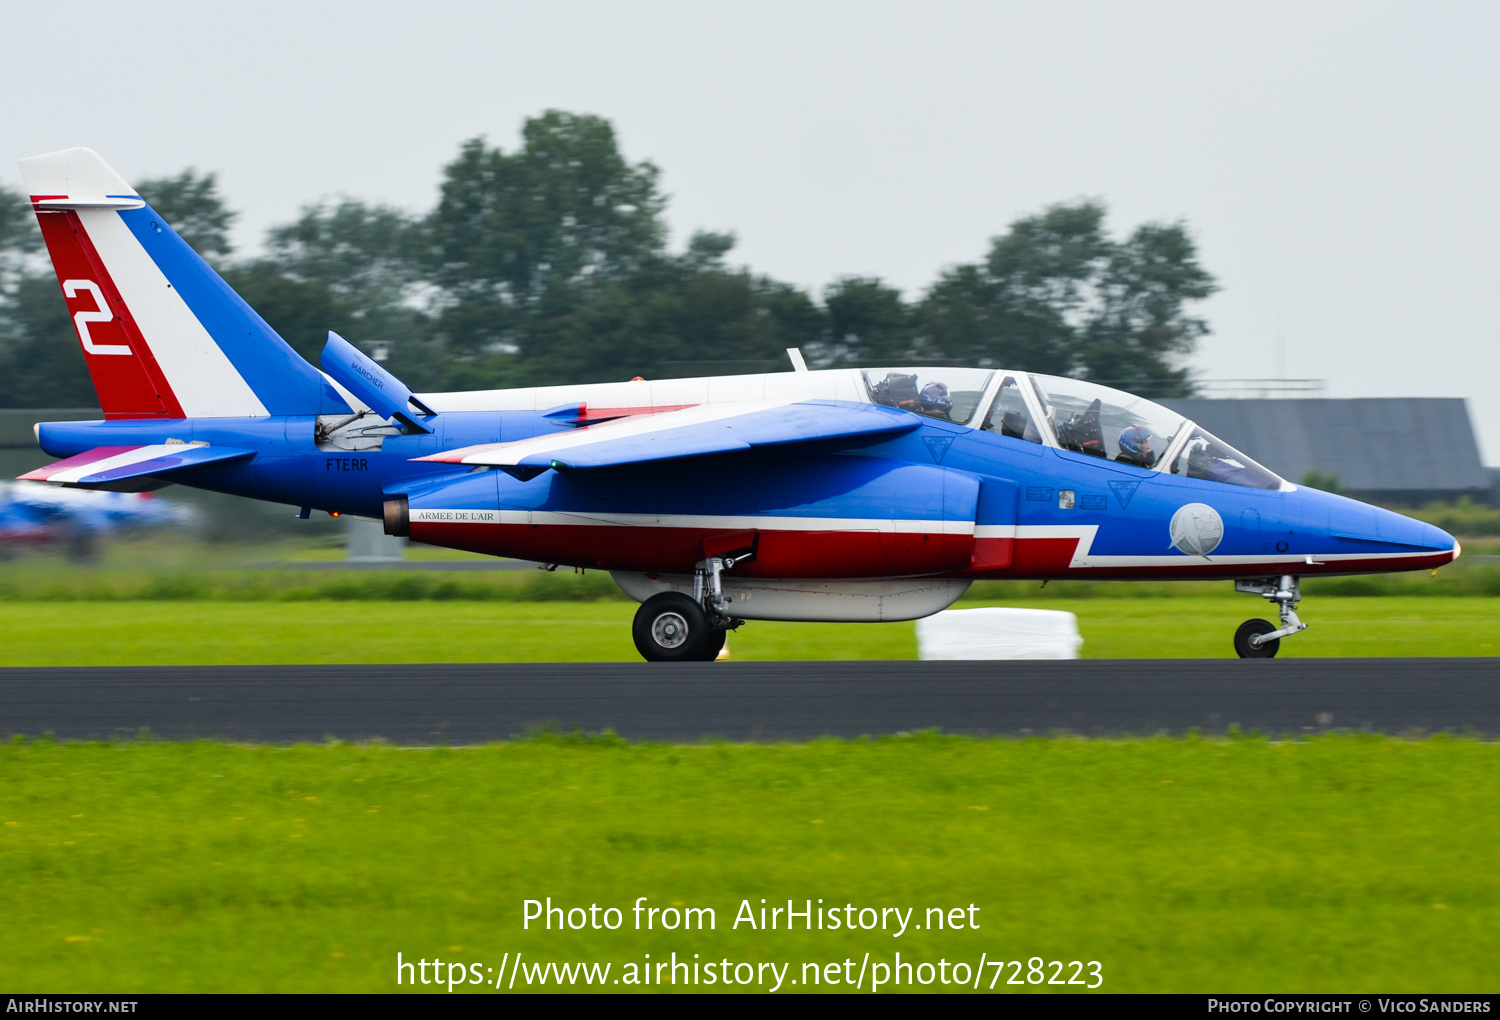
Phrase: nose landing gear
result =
(1258, 639)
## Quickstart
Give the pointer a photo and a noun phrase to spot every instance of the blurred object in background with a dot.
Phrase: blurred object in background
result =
(368, 543)
(999, 633)
(215, 518)
(33, 514)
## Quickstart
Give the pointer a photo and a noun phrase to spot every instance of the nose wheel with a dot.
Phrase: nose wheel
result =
(1260, 639)
(1257, 629)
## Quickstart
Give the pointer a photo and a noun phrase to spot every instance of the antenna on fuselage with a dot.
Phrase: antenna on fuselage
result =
(799, 364)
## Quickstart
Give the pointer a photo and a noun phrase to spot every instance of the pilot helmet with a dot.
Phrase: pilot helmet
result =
(934, 397)
(1133, 438)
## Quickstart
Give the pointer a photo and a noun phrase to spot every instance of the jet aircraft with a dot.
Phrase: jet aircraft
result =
(34, 514)
(832, 495)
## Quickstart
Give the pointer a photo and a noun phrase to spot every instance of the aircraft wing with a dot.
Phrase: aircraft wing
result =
(105, 466)
(689, 432)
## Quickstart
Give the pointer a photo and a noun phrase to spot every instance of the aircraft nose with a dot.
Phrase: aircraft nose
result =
(1395, 527)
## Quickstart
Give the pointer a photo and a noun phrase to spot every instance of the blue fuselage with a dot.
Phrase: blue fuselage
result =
(941, 499)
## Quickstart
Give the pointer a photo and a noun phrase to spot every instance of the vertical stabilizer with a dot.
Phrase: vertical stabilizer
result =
(163, 335)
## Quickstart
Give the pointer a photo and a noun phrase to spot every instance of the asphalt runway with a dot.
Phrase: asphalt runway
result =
(468, 704)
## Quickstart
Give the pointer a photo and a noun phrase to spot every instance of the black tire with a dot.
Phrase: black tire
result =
(670, 627)
(1265, 650)
(715, 644)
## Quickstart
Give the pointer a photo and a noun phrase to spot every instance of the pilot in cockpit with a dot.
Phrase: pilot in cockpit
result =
(1135, 447)
(899, 389)
(934, 400)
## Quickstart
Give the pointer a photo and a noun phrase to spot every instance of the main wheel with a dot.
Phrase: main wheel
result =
(1265, 650)
(670, 627)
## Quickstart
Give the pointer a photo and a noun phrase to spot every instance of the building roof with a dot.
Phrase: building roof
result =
(1399, 448)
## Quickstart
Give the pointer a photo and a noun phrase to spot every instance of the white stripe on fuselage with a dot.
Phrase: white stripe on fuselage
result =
(696, 522)
(202, 377)
(994, 531)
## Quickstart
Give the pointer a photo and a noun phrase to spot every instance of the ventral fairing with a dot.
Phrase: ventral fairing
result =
(834, 495)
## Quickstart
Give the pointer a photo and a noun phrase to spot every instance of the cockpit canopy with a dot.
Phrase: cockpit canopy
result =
(1070, 414)
(951, 394)
(1112, 424)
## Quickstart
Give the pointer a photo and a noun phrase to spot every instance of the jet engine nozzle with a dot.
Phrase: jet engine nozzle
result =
(398, 517)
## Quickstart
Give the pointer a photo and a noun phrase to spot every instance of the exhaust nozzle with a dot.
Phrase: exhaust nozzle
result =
(398, 517)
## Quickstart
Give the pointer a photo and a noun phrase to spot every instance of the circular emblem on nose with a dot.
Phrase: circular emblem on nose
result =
(1197, 529)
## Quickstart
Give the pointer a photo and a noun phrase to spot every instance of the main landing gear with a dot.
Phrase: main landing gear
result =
(673, 627)
(1259, 639)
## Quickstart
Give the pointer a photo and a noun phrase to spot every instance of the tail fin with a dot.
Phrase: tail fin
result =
(163, 335)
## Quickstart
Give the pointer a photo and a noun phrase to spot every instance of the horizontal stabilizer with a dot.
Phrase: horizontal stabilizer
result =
(690, 432)
(118, 466)
(362, 376)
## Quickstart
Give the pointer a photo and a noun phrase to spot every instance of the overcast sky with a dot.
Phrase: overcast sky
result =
(1338, 163)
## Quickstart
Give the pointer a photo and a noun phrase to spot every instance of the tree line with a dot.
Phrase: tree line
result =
(551, 264)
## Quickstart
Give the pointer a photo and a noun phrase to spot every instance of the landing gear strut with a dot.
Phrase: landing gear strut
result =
(673, 627)
(1258, 639)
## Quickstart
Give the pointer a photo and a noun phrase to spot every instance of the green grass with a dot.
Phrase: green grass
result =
(130, 573)
(1343, 863)
(213, 632)
(162, 569)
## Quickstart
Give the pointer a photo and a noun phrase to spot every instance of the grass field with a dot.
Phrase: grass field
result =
(219, 632)
(1343, 863)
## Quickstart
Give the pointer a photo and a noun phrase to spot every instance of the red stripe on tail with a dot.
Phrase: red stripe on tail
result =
(126, 376)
